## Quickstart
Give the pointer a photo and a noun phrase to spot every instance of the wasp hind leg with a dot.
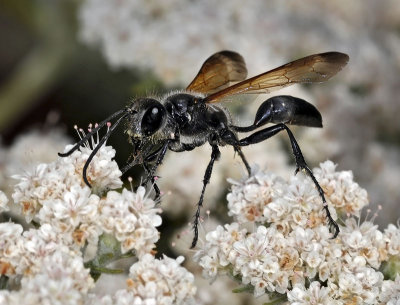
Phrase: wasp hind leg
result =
(241, 155)
(301, 164)
(214, 156)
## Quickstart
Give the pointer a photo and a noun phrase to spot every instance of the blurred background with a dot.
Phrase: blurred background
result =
(67, 62)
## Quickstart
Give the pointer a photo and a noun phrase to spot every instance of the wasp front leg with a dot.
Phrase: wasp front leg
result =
(158, 156)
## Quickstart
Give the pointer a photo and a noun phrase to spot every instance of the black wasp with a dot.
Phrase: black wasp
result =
(185, 120)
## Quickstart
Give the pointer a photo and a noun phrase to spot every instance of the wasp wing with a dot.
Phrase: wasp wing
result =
(310, 69)
(218, 71)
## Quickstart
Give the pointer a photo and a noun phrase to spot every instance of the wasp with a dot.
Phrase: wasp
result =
(181, 121)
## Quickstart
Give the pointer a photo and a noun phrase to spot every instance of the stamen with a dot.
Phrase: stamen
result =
(77, 131)
(96, 126)
(376, 214)
(130, 182)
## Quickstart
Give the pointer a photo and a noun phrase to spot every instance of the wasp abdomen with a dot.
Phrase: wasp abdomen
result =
(288, 110)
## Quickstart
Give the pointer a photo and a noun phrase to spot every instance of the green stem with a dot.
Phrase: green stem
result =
(106, 270)
(127, 255)
(278, 300)
(247, 288)
(3, 281)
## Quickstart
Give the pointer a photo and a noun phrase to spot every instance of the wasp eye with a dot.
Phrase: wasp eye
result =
(152, 120)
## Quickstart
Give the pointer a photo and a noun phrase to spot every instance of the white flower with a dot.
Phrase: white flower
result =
(358, 281)
(217, 250)
(32, 188)
(254, 247)
(61, 279)
(102, 173)
(77, 206)
(162, 281)
(392, 239)
(38, 244)
(248, 198)
(11, 247)
(340, 189)
(390, 293)
(301, 192)
(363, 240)
(52, 196)
(132, 217)
(252, 254)
(313, 295)
(254, 257)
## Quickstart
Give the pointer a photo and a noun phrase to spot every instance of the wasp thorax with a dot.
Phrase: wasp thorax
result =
(148, 116)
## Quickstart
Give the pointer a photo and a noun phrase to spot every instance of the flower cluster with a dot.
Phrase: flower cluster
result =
(51, 271)
(72, 218)
(291, 242)
(24, 252)
(27, 151)
(56, 194)
(289, 251)
(61, 279)
(247, 200)
(53, 181)
(10, 245)
(164, 280)
(390, 293)
(341, 191)
(132, 219)
(154, 281)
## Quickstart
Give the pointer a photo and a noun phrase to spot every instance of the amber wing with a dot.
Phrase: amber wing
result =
(218, 72)
(311, 69)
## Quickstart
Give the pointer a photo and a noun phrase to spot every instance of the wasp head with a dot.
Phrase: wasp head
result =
(147, 116)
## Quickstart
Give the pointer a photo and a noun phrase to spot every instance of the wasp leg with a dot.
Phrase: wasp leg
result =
(240, 153)
(301, 164)
(149, 158)
(230, 138)
(160, 154)
(153, 183)
(214, 156)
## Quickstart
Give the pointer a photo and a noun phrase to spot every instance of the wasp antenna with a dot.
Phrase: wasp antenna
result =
(101, 142)
(92, 132)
